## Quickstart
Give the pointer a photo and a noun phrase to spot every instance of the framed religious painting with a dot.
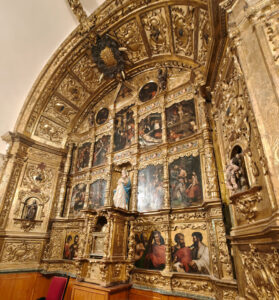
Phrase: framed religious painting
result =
(124, 129)
(150, 250)
(148, 91)
(78, 199)
(185, 182)
(71, 246)
(150, 188)
(102, 116)
(101, 149)
(189, 251)
(181, 120)
(97, 193)
(83, 156)
(150, 130)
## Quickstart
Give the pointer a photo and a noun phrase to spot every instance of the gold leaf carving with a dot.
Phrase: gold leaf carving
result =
(183, 28)
(49, 130)
(21, 252)
(73, 91)
(129, 37)
(204, 36)
(86, 70)
(155, 25)
(261, 272)
(57, 108)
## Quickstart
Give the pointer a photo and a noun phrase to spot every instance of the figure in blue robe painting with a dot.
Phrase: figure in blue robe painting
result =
(123, 190)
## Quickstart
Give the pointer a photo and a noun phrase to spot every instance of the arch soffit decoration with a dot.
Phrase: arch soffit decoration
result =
(69, 86)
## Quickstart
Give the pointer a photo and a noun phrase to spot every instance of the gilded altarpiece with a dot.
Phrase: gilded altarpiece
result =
(90, 142)
(246, 181)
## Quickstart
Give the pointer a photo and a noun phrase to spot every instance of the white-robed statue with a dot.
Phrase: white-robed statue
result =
(122, 193)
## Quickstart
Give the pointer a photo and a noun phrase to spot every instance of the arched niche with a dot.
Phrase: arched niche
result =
(30, 209)
(98, 237)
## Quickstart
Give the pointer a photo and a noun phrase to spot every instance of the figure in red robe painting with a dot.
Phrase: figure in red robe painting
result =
(156, 252)
(181, 255)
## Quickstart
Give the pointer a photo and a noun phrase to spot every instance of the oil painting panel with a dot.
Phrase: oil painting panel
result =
(101, 149)
(150, 130)
(189, 251)
(150, 252)
(83, 156)
(185, 182)
(181, 120)
(124, 129)
(97, 192)
(71, 246)
(78, 199)
(150, 188)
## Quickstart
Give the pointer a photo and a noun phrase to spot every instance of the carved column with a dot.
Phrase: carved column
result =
(212, 188)
(167, 204)
(254, 27)
(63, 186)
(134, 200)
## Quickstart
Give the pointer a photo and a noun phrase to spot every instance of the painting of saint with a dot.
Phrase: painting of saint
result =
(150, 188)
(148, 91)
(185, 182)
(150, 130)
(190, 259)
(151, 253)
(124, 129)
(102, 116)
(122, 193)
(101, 148)
(83, 156)
(181, 120)
(71, 246)
(78, 198)
(97, 193)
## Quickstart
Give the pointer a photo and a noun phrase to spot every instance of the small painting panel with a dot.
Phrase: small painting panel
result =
(78, 199)
(97, 193)
(148, 91)
(102, 116)
(181, 120)
(190, 253)
(125, 93)
(124, 129)
(150, 188)
(150, 130)
(150, 250)
(71, 246)
(185, 182)
(101, 149)
(83, 156)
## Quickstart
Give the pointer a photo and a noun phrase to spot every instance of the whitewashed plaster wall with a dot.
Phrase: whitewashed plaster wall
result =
(30, 32)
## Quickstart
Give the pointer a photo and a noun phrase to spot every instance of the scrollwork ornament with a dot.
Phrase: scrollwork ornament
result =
(183, 28)
(156, 28)
(38, 178)
(261, 272)
(21, 252)
(129, 37)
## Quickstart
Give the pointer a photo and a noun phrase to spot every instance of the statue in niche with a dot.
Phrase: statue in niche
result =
(122, 193)
(236, 178)
(30, 210)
